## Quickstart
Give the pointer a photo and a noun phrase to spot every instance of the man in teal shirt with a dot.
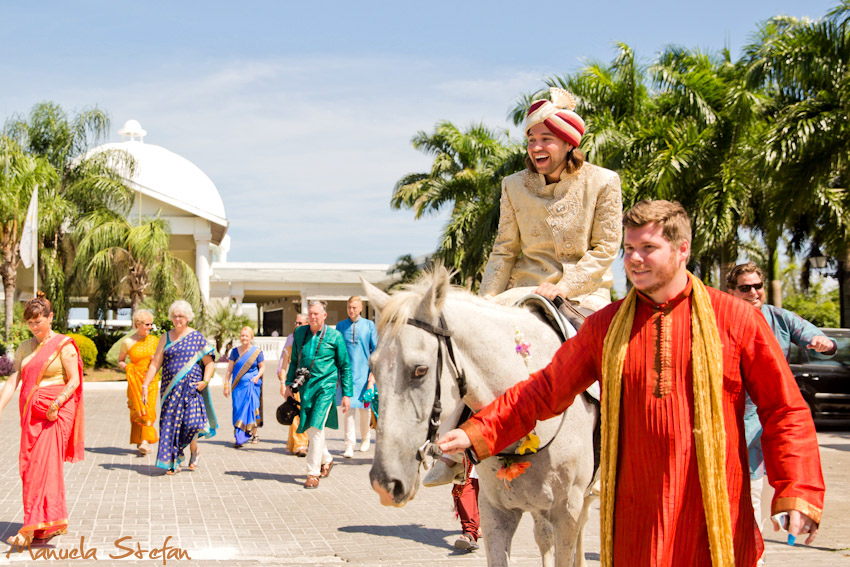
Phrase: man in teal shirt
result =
(746, 281)
(320, 359)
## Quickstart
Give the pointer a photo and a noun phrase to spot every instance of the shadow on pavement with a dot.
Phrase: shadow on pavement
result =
(784, 541)
(119, 451)
(254, 475)
(415, 532)
(144, 470)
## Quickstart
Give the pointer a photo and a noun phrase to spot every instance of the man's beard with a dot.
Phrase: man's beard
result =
(664, 275)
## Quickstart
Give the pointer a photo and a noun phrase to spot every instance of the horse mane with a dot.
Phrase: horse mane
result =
(402, 304)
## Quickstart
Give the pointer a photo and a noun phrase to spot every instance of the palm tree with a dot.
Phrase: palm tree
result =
(83, 184)
(466, 175)
(20, 175)
(804, 66)
(123, 263)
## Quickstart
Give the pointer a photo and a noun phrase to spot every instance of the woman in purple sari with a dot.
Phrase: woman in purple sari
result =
(245, 379)
(186, 412)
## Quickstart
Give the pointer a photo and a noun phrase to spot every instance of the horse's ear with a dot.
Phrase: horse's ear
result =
(377, 298)
(435, 297)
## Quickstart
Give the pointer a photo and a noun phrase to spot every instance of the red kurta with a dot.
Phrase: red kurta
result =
(659, 518)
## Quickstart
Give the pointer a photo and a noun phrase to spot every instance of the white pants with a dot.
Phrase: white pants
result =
(756, 487)
(347, 419)
(317, 451)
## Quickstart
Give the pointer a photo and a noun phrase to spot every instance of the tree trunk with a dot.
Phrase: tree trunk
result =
(844, 286)
(9, 301)
(772, 270)
(728, 259)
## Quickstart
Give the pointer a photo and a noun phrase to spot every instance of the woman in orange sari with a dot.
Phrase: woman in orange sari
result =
(49, 369)
(140, 349)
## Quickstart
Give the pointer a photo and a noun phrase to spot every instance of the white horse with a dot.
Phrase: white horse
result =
(555, 489)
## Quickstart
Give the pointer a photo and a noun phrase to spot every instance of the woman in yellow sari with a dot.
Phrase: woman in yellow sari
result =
(140, 348)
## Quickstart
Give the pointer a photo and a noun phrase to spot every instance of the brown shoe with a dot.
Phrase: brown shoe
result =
(312, 482)
(326, 469)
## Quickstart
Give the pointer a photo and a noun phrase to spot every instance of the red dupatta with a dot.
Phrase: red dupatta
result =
(31, 375)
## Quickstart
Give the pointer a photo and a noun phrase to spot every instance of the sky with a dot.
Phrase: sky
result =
(302, 113)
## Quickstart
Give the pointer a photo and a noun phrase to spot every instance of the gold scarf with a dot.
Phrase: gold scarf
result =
(709, 428)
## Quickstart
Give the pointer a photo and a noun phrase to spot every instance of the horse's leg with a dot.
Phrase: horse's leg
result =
(544, 535)
(568, 529)
(499, 528)
(589, 497)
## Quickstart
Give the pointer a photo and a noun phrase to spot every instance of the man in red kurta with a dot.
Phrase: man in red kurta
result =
(659, 517)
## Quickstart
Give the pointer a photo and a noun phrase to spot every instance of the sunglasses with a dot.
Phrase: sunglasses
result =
(747, 287)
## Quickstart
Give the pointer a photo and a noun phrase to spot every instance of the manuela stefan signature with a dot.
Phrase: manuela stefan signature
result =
(125, 548)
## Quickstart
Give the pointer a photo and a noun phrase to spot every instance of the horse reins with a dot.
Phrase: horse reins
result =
(444, 337)
(430, 447)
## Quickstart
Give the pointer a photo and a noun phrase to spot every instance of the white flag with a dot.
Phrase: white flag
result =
(29, 239)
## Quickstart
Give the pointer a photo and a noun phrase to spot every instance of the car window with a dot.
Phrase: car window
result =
(795, 356)
(842, 355)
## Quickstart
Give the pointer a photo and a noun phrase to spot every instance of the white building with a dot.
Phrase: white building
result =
(178, 191)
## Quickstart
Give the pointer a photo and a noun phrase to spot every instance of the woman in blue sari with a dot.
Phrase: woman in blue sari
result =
(186, 412)
(245, 380)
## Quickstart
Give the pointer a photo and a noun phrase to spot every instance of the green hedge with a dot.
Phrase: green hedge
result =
(88, 351)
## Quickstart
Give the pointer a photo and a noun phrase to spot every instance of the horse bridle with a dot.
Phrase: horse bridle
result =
(430, 450)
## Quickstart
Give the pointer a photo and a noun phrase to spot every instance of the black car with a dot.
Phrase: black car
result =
(825, 384)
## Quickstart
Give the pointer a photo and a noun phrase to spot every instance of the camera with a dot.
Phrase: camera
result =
(301, 376)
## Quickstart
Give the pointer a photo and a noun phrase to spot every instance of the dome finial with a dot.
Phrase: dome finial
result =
(132, 130)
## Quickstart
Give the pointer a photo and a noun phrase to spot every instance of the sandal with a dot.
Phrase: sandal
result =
(193, 460)
(20, 540)
(173, 471)
(466, 542)
(143, 448)
(255, 439)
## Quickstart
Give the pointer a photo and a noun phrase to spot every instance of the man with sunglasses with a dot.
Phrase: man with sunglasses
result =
(746, 281)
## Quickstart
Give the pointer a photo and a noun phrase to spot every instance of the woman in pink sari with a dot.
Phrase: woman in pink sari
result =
(49, 369)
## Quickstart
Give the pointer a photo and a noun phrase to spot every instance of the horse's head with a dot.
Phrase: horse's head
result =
(405, 368)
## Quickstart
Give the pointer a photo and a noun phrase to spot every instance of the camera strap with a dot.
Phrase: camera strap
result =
(318, 346)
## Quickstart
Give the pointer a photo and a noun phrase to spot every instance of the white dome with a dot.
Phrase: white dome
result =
(171, 178)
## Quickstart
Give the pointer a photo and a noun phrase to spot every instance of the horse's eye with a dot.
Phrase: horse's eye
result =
(420, 371)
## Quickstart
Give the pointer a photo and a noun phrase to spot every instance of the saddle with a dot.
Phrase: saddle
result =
(566, 317)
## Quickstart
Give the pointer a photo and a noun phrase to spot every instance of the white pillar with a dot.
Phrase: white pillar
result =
(202, 264)
(238, 300)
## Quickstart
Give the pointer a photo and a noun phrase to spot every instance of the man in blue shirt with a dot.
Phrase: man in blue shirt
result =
(746, 281)
(361, 340)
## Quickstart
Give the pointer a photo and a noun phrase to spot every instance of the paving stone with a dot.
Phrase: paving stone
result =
(246, 507)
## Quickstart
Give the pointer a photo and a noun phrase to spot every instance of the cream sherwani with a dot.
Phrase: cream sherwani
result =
(566, 233)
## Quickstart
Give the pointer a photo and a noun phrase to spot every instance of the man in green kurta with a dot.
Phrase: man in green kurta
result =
(321, 351)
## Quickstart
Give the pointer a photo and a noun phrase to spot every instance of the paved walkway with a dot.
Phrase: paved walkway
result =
(247, 507)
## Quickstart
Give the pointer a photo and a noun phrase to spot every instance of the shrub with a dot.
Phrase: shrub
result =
(7, 366)
(88, 351)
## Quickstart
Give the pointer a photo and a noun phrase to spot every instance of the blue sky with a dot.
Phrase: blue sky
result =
(302, 113)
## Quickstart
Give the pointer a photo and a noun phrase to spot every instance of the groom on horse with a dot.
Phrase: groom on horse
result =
(675, 360)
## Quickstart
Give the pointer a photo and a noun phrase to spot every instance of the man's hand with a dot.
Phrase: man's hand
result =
(549, 291)
(821, 344)
(799, 523)
(455, 441)
(346, 404)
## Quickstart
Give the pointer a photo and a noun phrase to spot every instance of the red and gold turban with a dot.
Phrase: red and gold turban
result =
(558, 115)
